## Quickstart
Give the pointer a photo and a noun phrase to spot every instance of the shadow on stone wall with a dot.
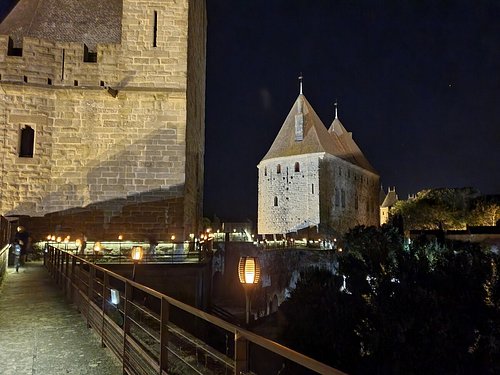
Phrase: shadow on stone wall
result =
(152, 216)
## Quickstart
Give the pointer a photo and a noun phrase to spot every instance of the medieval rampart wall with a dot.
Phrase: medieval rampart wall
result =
(111, 129)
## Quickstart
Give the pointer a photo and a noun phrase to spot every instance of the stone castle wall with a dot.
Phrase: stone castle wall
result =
(296, 192)
(349, 195)
(322, 194)
(112, 137)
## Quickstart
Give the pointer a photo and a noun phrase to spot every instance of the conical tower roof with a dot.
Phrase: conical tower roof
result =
(353, 153)
(315, 135)
(390, 198)
(336, 141)
(84, 21)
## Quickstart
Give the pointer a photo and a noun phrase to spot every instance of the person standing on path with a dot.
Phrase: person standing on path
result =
(16, 250)
(23, 238)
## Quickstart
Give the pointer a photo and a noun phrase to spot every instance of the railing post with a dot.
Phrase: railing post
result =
(105, 283)
(90, 291)
(72, 276)
(126, 322)
(58, 266)
(65, 272)
(51, 261)
(240, 353)
(165, 309)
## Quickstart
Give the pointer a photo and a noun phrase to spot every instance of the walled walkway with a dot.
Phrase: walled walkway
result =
(40, 333)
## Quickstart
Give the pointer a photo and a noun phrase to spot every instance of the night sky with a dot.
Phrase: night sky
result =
(417, 82)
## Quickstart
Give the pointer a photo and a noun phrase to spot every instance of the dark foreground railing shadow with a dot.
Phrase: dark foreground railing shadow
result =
(152, 333)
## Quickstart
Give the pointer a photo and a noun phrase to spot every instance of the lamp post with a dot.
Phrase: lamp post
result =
(249, 274)
(120, 239)
(78, 244)
(136, 255)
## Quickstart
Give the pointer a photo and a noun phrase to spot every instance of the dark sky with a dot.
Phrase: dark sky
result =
(417, 82)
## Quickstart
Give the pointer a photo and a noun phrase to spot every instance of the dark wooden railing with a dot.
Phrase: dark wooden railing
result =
(152, 333)
(4, 246)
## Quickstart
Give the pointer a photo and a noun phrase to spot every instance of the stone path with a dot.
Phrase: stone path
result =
(42, 334)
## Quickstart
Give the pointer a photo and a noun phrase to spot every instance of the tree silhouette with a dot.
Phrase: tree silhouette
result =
(418, 308)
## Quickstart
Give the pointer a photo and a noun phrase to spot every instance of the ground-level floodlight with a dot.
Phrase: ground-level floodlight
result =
(115, 297)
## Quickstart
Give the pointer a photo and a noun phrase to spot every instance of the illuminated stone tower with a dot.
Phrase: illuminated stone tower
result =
(315, 182)
(102, 113)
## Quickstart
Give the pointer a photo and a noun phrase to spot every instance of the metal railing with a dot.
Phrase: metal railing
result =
(4, 246)
(152, 333)
(4, 258)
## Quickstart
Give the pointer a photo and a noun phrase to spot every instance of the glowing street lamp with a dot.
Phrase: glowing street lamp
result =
(78, 243)
(249, 274)
(137, 252)
(120, 239)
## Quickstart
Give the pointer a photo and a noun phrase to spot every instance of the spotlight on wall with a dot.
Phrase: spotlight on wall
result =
(115, 297)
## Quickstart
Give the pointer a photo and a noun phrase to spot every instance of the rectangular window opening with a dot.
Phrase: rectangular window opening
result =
(155, 29)
(26, 141)
(89, 56)
(62, 64)
(13, 51)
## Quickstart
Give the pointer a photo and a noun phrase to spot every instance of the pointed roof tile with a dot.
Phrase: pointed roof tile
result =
(84, 21)
(336, 141)
(353, 152)
(315, 139)
(390, 198)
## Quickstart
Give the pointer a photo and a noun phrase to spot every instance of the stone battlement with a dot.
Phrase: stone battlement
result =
(45, 62)
(104, 134)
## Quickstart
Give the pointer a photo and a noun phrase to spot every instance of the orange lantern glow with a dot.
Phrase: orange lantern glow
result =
(137, 253)
(249, 270)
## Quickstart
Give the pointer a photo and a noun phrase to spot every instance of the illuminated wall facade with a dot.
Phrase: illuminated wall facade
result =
(118, 132)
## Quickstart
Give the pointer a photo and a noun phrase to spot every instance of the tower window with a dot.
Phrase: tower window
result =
(89, 56)
(337, 197)
(343, 198)
(312, 188)
(297, 167)
(155, 29)
(340, 171)
(265, 171)
(275, 201)
(26, 142)
(13, 51)
(278, 168)
(356, 202)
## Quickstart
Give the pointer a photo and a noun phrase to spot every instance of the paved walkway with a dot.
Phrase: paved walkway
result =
(40, 333)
